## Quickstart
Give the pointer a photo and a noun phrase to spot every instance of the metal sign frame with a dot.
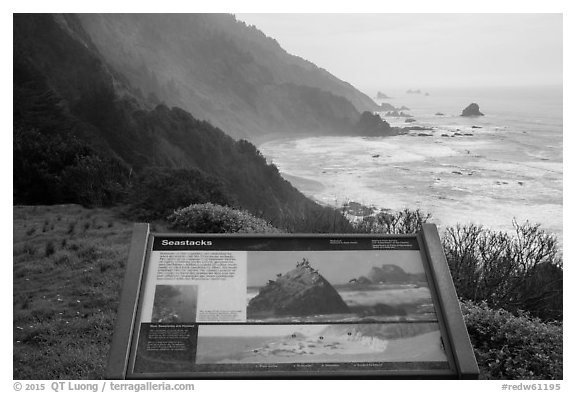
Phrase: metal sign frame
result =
(460, 355)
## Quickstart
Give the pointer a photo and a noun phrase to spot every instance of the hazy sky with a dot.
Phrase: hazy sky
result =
(375, 51)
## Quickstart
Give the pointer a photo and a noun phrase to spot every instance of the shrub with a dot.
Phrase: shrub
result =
(157, 192)
(520, 271)
(513, 347)
(210, 218)
(49, 249)
(403, 222)
(71, 228)
(27, 248)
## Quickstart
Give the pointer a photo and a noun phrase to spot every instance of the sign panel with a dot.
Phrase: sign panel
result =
(223, 305)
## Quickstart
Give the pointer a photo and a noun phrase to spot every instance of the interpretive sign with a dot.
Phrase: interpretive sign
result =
(206, 305)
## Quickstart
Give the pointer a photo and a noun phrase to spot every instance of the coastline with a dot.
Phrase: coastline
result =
(458, 180)
(260, 140)
(491, 170)
(313, 187)
(310, 185)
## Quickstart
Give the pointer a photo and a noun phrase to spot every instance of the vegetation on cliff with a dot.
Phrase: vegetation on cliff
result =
(221, 70)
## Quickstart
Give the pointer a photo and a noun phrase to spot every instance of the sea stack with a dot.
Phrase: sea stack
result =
(382, 96)
(472, 110)
(390, 273)
(300, 292)
(371, 124)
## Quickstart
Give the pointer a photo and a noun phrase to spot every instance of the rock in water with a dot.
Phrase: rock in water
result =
(387, 107)
(381, 96)
(388, 273)
(300, 292)
(472, 110)
(372, 125)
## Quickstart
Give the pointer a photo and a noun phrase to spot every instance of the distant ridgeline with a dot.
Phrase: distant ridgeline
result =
(225, 72)
(84, 133)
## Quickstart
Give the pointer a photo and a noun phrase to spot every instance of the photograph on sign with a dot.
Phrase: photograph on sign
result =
(175, 303)
(337, 286)
(257, 305)
(305, 343)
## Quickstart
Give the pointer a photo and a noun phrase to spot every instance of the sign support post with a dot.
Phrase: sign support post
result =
(464, 356)
(126, 315)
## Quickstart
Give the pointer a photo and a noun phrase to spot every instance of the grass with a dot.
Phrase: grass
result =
(68, 269)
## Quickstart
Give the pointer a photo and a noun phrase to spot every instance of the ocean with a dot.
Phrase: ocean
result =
(490, 170)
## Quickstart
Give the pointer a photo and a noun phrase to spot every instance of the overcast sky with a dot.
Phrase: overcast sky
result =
(374, 51)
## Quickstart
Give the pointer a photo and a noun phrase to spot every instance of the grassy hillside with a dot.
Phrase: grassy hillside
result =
(68, 269)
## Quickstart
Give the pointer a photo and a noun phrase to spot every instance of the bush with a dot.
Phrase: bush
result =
(49, 249)
(403, 222)
(210, 218)
(520, 271)
(157, 192)
(513, 347)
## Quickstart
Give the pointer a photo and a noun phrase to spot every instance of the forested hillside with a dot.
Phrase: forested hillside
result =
(225, 72)
(82, 134)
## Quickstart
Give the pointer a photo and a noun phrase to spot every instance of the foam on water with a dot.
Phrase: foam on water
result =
(509, 168)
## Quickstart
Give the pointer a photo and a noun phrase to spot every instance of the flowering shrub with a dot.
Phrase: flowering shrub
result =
(513, 347)
(210, 218)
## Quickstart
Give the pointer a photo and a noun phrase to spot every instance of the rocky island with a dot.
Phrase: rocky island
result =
(371, 124)
(472, 110)
(389, 274)
(300, 292)
(395, 113)
(387, 107)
